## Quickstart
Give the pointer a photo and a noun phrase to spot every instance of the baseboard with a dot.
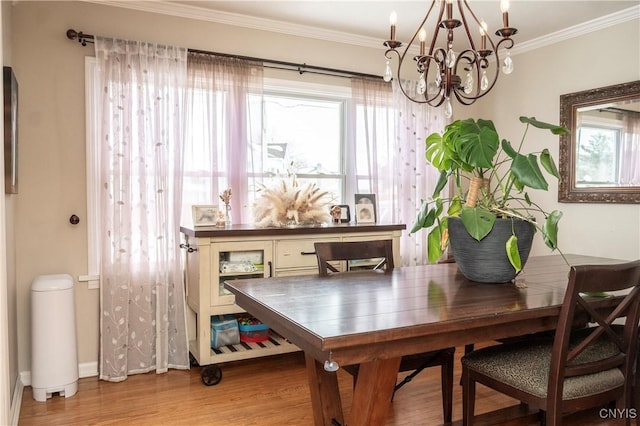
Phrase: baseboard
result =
(25, 378)
(16, 403)
(86, 369)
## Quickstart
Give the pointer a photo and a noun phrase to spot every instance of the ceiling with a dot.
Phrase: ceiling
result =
(363, 20)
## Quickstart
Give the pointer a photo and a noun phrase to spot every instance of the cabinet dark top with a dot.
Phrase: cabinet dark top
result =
(251, 230)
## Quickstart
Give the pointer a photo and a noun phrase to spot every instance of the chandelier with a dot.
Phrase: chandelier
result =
(460, 69)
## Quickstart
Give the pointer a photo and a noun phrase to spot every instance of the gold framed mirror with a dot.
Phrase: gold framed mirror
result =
(600, 158)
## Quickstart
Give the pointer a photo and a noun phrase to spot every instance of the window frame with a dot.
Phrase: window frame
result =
(341, 175)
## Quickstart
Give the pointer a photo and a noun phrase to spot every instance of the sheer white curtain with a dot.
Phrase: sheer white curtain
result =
(630, 158)
(223, 147)
(371, 145)
(142, 317)
(386, 157)
(415, 177)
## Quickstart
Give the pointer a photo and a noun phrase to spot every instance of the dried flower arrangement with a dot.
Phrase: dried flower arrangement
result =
(225, 220)
(287, 204)
(226, 196)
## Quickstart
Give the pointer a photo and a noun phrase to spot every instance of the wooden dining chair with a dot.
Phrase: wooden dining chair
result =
(578, 368)
(379, 253)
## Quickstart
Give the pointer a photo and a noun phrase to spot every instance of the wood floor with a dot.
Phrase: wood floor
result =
(262, 392)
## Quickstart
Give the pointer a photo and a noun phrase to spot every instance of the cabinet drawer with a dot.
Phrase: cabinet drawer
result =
(298, 253)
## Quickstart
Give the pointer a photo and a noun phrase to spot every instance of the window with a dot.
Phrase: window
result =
(297, 129)
(598, 156)
(304, 134)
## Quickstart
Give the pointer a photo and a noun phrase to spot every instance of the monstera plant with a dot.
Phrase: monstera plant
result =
(492, 180)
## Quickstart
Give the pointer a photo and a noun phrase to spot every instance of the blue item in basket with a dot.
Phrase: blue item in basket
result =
(224, 330)
(254, 332)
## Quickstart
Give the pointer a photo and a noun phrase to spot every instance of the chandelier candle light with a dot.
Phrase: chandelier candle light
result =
(440, 69)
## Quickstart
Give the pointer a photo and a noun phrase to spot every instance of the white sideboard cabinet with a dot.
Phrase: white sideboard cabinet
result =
(215, 255)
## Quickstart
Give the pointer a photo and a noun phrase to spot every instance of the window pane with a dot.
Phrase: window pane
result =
(305, 132)
(597, 157)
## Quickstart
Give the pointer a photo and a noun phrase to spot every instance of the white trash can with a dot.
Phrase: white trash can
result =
(54, 353)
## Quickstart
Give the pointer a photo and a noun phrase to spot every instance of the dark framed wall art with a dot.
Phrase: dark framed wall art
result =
(10, 131)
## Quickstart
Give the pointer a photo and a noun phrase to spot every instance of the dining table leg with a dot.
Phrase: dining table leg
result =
(373, 392)
(325, 393)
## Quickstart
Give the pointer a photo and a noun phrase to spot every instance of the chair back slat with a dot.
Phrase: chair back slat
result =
(610, 340)
(354, 250)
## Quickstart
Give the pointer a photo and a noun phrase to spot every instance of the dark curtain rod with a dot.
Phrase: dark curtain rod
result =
(84, 38)
(619, 110)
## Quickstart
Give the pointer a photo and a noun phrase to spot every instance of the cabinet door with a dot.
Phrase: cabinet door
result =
(235, 260)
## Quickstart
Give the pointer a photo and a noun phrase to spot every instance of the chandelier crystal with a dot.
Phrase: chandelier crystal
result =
(461, 69)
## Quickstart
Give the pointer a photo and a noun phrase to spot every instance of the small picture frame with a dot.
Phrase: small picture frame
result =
(365, 208)
(340, 213)
(205, 215)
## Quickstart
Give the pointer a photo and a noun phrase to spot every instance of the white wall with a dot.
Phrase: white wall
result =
(51, 73)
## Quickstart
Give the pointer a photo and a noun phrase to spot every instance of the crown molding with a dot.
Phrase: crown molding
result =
(263, 24)
(632, 13)
(238, 20)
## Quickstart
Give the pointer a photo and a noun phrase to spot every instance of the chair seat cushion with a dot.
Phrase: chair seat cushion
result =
(525, 366)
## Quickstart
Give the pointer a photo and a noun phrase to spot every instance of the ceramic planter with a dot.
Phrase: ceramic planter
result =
(486, 260)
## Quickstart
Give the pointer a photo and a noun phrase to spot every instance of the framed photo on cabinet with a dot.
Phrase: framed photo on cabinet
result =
(205, 215)
(340, 213)
(365, 208)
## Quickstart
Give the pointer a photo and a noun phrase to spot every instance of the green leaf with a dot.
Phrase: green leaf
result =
(455, 207)
(527, 171)
(550, 229)
(508, 149)
(519, 186)
(547, 162)
(442, 182)
(426, 216)
(477, 221)
(437, 152)
(555, 129)
(477, 143)
(434, 249)
(513, 254)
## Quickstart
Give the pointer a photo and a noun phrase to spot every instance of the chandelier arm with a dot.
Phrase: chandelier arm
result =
(411, 98)
(463, 99)
(437, 28)
(388, 51)
(460, 3)
(439, 57)
(400, 85)
(406, 50)
(468, 56)
(400, 61)
(402, 56)
(497, 69)
(438, 103)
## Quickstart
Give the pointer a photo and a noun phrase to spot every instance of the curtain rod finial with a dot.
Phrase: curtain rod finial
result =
(72, 34)
(81, 37)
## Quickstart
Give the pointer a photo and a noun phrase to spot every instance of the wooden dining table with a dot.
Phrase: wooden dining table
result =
(373, 319)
